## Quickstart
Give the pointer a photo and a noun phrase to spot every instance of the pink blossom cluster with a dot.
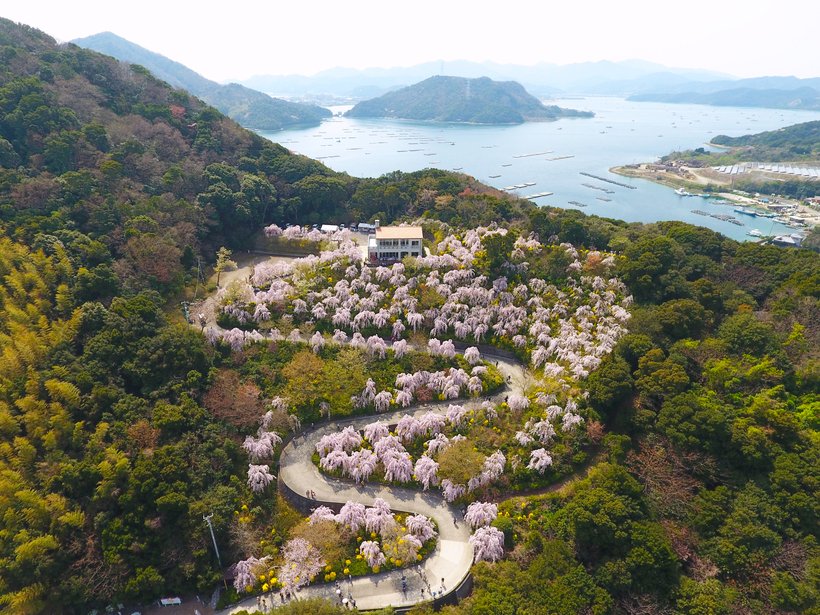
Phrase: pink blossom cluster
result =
(488, 544)
(302, 562)
(565, 331)
(245, 572)
(540, 460)
(259, 477)
(372, 553)
(481, 514)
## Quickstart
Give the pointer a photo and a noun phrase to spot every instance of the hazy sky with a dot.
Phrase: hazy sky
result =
(234, 40)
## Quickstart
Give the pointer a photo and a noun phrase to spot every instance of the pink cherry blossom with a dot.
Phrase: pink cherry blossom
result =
(570, 422)
(362, 464)
(488, 544)
(317, 342)
(400, 348)
(382, 401)
(518, 402)
(245, 572)
(336, 459)
(432, 422)
(540, 460)
(451, 490)
(375, 431)
(408, 428)
(456, 415)
(302, 562)
(399, 468)
(349, 439)
(372, 553)
(426, 472)
(421, 527)
(404, 398)
(351, 515)
(261, 447)
(259, 477)
(481, 514)
(321, 513)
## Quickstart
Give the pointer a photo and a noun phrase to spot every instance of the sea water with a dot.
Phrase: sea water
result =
(552, 155)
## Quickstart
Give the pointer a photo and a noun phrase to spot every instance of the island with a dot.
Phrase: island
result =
(469, 101)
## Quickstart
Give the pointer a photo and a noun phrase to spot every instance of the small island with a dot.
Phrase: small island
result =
(456, 99)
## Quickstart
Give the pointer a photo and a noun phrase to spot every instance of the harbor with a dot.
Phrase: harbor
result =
(506, 156)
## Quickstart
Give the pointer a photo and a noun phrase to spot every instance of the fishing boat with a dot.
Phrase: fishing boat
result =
(682, 192)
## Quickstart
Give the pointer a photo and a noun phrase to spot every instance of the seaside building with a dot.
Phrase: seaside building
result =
(393, 243)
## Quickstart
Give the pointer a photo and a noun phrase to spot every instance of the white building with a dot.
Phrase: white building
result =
(393, 243)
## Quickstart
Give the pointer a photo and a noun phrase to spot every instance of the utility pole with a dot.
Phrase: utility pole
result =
(207, 519)
(198, 275)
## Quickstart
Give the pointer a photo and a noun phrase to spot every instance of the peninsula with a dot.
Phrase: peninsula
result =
(456, 99)
(784, 162)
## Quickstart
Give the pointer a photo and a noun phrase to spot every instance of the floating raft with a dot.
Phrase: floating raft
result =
(609, 181)
(534, 154)
(538, 195)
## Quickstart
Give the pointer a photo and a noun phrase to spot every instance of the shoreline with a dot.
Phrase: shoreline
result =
(698, 183)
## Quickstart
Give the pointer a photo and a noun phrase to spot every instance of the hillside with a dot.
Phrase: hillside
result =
(661, 459)
(796, 140)
(250, 108)
(456, 99)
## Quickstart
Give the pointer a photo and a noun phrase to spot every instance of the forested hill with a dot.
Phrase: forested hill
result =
(121, 427)
(796, 140)
(251, 108)
(456, 99)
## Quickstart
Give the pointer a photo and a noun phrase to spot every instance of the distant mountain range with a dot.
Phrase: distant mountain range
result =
(250, 108)
(636, 79)
(457, 99)
(541, 79)
(774, 92)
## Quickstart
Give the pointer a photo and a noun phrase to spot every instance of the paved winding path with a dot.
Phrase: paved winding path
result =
(444, 569)
(453, 556)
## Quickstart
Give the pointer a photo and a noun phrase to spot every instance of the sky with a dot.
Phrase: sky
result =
(234, 40)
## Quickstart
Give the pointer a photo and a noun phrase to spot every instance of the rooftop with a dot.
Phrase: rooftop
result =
(399, 232)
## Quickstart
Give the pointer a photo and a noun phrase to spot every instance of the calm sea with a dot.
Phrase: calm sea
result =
(552, 155)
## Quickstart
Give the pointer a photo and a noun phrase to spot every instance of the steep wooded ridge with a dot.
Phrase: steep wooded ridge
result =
(251, 108)
(120, 427)
(798, 139)
(456, 99)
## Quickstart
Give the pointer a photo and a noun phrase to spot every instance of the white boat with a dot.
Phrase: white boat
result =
(682, 192)
(755, 233)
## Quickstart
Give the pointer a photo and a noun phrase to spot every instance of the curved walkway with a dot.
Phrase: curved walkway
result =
(442, 571)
